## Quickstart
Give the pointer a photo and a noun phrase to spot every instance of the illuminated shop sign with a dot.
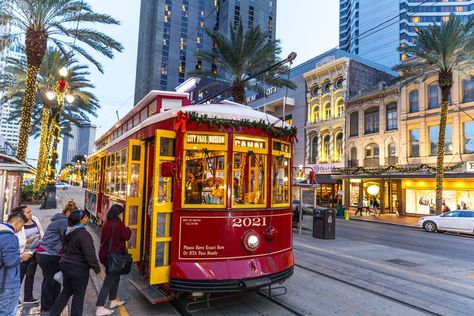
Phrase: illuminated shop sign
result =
(249, 143)
(257, 96)
(205, 139)
(470, 166)
(323, 169)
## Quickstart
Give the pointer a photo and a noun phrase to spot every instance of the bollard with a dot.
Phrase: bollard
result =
(347, 216)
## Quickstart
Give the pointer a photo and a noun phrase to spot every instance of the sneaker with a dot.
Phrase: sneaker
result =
(102, 311)
(116, 303)
(31, 301)
(19, 304)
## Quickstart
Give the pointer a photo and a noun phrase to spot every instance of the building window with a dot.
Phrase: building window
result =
(353, 153)
(372, 121)
(372, 151)
(339, 107)
(327, 110)
(314, 91)
(326, 87)
(468, 90)
(392, 150)
(392, 117)
(414, 143)
(433, 132)
(469, 137)
(414, 101)
(326, 147)
(315, 114)
(433, 96)
(338, 83)
(354, 124)
(338, 152)
(314, 149)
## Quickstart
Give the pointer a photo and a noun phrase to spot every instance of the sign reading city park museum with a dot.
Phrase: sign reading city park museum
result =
(205, 139)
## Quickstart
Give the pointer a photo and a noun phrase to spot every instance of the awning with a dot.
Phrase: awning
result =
(10, 163)
(327, 179)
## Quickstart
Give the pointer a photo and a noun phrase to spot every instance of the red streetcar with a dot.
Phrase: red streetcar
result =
(207, 193)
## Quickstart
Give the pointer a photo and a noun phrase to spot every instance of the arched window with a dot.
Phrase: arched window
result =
(314, 91)
(339, 107)
(353, 159)
(433, 96)
(354, 124)
(372, 150)
(314, 149)
(413, 101)
(338, 148)
(315, 113)
(338, 83)
(392, 150)
(326, 86)
(326, 147)
(392, 117)
(327, 110)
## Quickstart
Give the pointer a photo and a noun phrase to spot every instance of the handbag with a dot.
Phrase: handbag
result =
(118, 262)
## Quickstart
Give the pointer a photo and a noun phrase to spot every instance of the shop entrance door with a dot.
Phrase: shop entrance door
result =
(162, 208)
(391, 189)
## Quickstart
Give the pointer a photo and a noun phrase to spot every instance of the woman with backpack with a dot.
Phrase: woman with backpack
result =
(78, 258)
(112, 240)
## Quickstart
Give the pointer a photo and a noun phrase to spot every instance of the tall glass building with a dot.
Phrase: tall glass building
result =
(171, 31)
(374, 29)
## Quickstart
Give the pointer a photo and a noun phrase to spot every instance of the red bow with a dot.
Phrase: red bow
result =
(182, 119)
(62, 85)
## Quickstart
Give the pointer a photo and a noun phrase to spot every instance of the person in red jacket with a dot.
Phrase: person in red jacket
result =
(114, 235)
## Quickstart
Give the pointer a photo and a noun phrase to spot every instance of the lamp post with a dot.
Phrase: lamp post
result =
(61, 92)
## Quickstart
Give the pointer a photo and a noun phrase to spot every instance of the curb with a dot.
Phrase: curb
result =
(379, 222)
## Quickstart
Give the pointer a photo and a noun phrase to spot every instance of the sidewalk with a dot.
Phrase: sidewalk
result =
(394, 219)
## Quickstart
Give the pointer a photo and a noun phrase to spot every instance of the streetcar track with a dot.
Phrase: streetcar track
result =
(396, 276)
(400, 302)
(280, 303)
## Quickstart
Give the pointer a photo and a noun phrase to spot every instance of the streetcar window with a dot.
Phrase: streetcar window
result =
(204, 178)
(167, 147)
(136, 150)
(248, 186)
(280, 179)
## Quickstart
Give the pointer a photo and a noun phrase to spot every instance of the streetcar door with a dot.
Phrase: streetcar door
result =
(162, 208)
(134, 203)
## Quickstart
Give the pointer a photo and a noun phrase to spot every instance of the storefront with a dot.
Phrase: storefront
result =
(11, 170)
(379, 191)
(329, 192)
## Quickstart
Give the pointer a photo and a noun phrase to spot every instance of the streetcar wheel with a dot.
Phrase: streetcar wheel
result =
(430, 226)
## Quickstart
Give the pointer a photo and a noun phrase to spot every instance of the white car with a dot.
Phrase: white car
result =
(459, 221)
(62, 185)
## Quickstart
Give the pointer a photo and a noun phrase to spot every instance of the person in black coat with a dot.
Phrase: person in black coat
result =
(78, 258)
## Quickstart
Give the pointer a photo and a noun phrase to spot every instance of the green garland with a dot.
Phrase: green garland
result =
(245, 123)
(393, 168)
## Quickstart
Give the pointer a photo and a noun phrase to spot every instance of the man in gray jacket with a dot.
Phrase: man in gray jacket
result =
(49, 253)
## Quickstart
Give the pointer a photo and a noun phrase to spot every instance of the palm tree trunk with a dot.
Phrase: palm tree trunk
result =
(27, 108)
(238, 92)
(44, 148)
(54, 151)
(445, 84)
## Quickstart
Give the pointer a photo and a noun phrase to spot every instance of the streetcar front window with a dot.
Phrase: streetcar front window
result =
(204, 177)
(281, 178)
(248, 187)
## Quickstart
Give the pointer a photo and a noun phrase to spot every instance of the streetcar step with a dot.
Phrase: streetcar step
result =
(256, 283)
(154, 295)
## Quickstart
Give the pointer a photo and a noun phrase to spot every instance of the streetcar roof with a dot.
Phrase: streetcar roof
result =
(223, 110)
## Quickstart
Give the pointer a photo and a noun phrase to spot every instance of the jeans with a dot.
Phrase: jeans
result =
(27, 272)
(9, 301)
(75, 280)
(50, 289)
(110, 287)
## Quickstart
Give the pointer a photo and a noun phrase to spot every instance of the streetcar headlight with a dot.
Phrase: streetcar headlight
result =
(252, 241)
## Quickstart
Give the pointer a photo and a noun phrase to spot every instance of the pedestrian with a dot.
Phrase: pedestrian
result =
(32, 233)
(77, 259)
(112, 240)
(458, 207)
(10, 260)
(359, 208)
(49, 253)
(445, 208)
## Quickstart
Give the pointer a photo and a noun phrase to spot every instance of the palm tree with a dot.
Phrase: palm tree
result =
(440, 50)
(239, 56)
(46, 113)
(60, 23)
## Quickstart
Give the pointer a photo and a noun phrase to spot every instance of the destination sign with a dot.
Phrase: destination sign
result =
(249, 143)
(205, 139)
(281, 147)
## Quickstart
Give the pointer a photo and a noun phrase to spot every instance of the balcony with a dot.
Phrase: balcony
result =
(371, 162)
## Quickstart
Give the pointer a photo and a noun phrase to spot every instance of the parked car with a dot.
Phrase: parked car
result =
(459, 221)
(307, 209)
(62, 185)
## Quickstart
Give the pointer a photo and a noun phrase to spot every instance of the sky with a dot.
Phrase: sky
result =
(307, 27)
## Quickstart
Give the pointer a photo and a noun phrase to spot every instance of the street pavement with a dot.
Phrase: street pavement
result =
(369, 269)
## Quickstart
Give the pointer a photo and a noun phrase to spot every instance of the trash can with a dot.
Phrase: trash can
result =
(340, 211)
(324, 223)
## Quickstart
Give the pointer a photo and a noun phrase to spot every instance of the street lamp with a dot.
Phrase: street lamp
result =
(61, 91)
